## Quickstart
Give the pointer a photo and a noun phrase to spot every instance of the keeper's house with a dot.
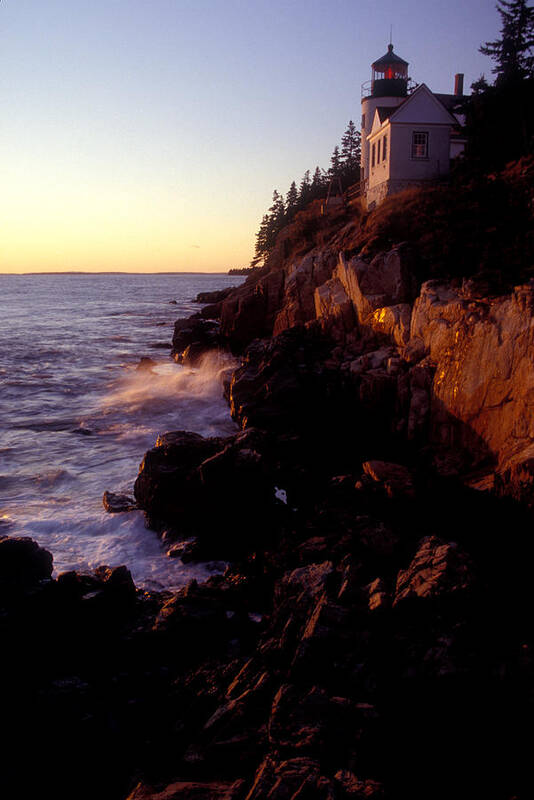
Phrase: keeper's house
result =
(409, 136)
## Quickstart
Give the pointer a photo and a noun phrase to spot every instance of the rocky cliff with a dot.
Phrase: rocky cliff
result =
(456, 353)
(372, 634)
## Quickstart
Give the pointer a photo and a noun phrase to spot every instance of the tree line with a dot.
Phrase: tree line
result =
(500, 115)
(344, 165)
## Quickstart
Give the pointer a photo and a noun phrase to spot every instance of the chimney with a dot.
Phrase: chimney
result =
(459, 84)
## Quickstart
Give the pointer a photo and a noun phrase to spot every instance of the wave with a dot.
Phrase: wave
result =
(150, 390)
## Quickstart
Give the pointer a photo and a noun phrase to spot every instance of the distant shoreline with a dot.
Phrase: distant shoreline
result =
(112, 272)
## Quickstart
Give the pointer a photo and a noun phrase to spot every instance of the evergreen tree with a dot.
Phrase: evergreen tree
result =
(318, 183)
(271, 224)
(277, 212)
(261, 249)
(335, 164)
(292, 200)
(513, 52)
(350, 147)
(305, 189)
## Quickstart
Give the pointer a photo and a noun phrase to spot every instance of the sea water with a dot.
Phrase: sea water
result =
(76, 416)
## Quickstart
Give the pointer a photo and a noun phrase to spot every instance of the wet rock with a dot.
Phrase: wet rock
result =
(168, 485)
(117, 580)
(214, 297)
(81, 431)
(116, 503)
(23, 562)
(192, 338)
(283, 384)
(438, 568)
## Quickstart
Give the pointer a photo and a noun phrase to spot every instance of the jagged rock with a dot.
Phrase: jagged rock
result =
(214, 297)
(116, 503)
(189, 790)
(23, 562)
(396, 478)
(437, 568)
(248, 313)
(387, 281)
(286, 780)
(193, 337)
(357, 789)
(117, 580)
(282, 384)
(168, 484)
(378, 595)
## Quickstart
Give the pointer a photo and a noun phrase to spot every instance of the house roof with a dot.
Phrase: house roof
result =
(384, 112)
(389, 58)
(450, 101)
(395, 113)
(423, 89)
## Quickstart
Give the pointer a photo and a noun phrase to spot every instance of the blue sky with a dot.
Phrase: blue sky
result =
(150, 134)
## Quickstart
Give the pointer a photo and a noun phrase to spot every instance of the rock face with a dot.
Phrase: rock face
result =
(438, 567)
(194, 337)
(23, 561)
(459, 364)
(186, 482)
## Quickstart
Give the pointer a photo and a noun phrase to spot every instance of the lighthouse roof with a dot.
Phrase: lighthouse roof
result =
(389, 58)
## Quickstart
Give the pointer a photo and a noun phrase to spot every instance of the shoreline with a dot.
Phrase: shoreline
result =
(374, 598)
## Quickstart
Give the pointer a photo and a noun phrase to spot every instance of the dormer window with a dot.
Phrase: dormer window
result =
(420, 144)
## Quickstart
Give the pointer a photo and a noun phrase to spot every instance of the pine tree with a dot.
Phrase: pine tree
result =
(292, 200)
(305, 189)
(261, 250)
(350, 146)
(513, 52)
(335, 164)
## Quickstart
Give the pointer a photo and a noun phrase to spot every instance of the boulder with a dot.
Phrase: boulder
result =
(168, 485)
(116, 503)
(193, 337)
(283, 383)
(214, 297)
(438, 568)
(23, 562)
(396, 479)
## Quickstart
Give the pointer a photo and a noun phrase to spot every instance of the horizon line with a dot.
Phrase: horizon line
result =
(116, 272)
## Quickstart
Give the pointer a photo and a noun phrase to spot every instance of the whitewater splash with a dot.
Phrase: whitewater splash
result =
(79, 422)
(153, 388)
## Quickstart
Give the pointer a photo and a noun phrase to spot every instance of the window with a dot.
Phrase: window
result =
(373, 155)
(384, 148)
(419, 144)
(363, 121)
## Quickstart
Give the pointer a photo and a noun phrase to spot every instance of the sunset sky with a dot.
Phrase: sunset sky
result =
(148, 135)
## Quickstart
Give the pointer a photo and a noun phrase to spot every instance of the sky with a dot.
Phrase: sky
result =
(149, 135)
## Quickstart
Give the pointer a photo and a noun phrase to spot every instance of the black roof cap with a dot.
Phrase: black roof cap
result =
(389, 58)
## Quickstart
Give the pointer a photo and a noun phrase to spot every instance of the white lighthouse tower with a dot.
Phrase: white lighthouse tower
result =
(387, 88)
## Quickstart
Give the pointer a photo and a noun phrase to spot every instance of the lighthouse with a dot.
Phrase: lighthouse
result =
(387, 88)
(409, 135)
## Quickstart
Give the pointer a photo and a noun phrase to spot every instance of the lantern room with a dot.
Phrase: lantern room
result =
(390, 76)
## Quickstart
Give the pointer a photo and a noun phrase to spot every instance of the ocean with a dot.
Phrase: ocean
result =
(76, 417)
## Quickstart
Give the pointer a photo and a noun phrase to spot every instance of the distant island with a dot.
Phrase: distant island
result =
(240, 270)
